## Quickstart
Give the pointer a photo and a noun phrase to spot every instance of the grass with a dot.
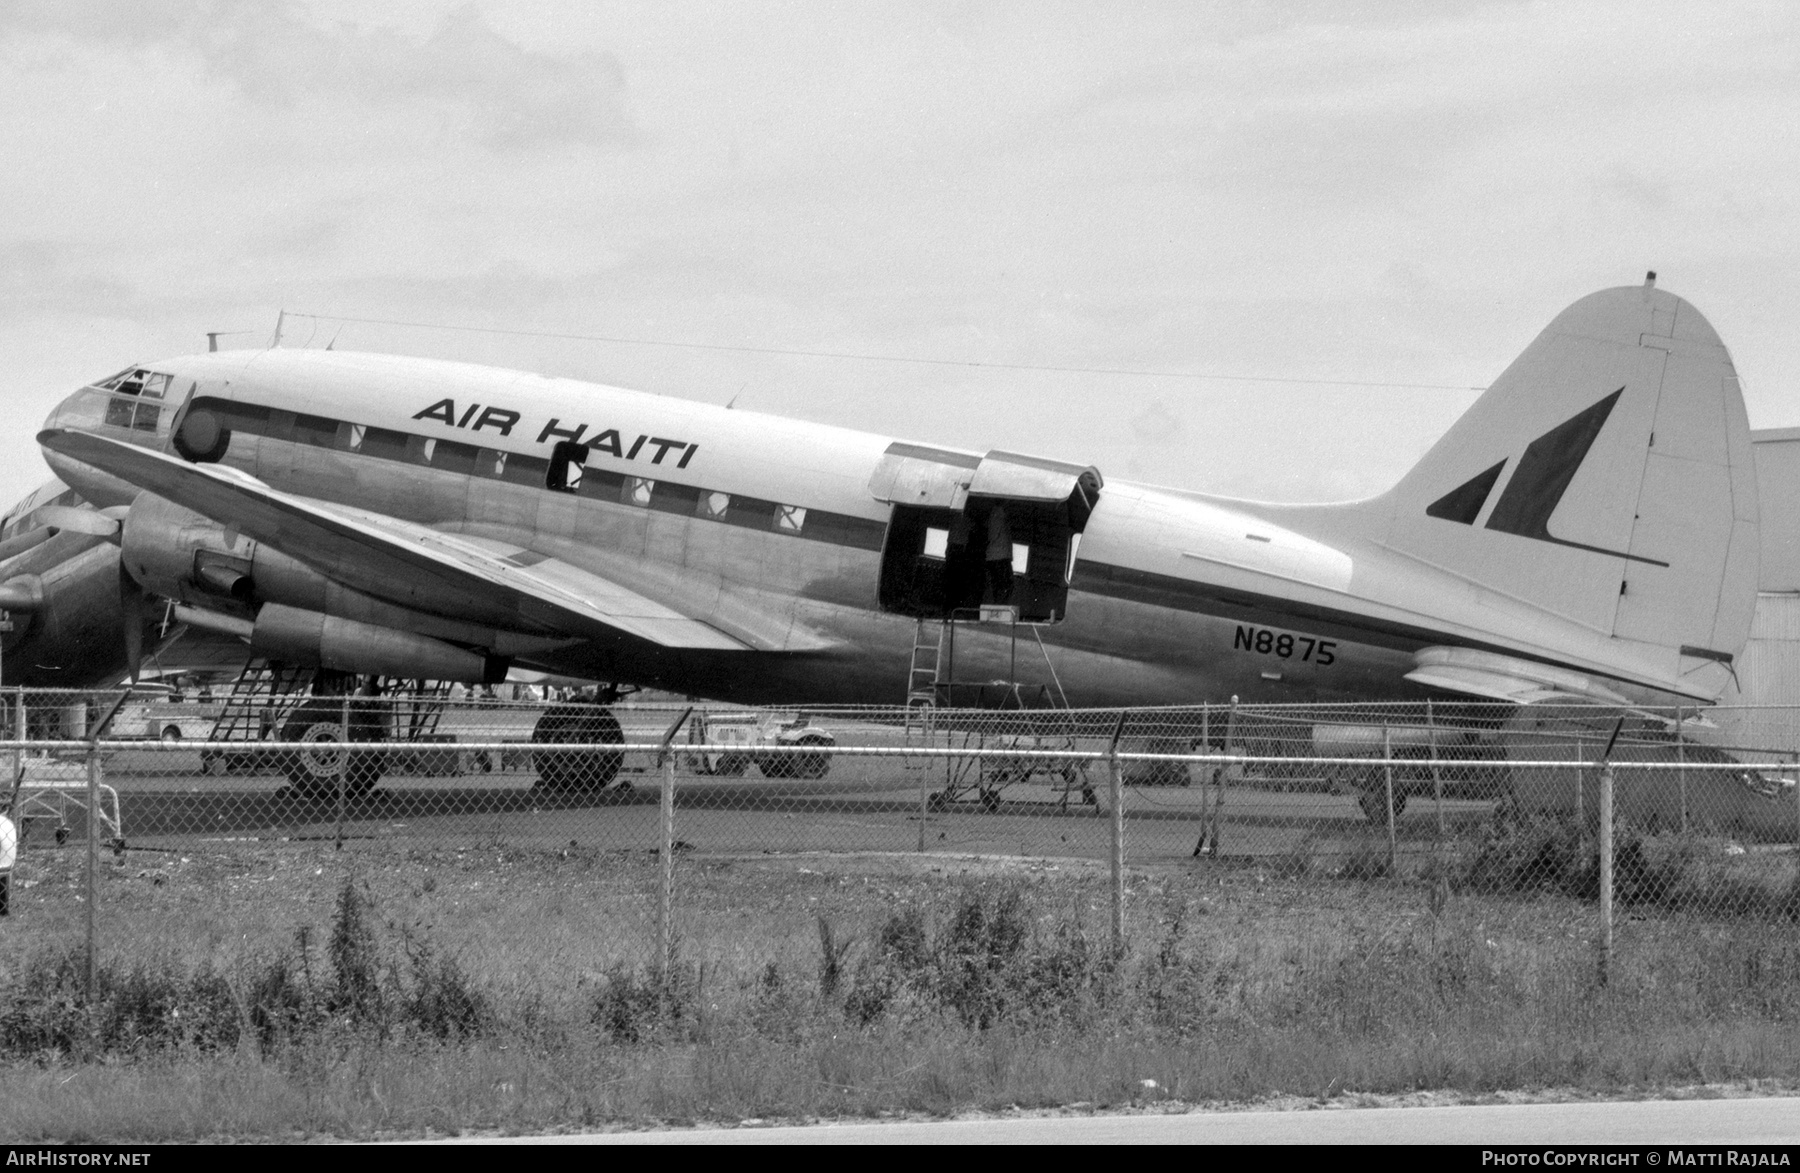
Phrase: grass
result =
(279, 991)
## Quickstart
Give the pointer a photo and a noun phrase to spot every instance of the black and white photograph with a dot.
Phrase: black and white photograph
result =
(932, 572)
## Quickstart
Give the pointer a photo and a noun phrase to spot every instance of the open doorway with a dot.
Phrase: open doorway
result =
(1003, 534)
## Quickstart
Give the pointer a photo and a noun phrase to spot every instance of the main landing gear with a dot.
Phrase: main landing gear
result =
(315, 772)
(582, 771)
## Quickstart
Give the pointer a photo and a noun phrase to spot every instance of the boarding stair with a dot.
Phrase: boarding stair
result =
(264, 693)
(924, 684)
(931, 685)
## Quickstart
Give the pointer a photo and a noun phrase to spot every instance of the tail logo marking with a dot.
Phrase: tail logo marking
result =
(1538, 483)
(1464, 502)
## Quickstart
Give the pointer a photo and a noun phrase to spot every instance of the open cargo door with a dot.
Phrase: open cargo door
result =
(971, 532)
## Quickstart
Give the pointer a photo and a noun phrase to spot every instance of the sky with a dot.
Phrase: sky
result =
(1246, 199)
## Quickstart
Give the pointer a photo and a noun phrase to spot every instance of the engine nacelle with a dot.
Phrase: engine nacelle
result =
(312, 639)
(294, 636)
(189, 557)
(62, 600)
(300, 616)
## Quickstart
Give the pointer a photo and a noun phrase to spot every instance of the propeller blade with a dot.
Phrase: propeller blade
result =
(24, 593)
(30, 539)
(131, 606)
(81, 521)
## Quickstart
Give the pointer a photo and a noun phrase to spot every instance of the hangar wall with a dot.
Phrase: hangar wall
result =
(1769, 671)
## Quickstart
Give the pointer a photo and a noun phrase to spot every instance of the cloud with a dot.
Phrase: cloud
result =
(490, 89)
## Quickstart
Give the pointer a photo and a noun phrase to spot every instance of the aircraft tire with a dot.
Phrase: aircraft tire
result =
(809, 765)
(315, 775)
(580, 772)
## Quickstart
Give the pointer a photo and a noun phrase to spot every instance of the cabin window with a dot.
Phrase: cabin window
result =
(937, 542)
(568, 462)
(525, 470)
(840, 530)
(790, 519)
(384, 443)
(637, 491)
(751, 513)
(452, 456)
(670, 498)
(714, 505)
(599, 485)
(315, 430)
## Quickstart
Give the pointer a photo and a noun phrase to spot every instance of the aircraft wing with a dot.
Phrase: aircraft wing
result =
(408, 564)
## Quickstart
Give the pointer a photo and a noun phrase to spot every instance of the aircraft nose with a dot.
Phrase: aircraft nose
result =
(131, 409)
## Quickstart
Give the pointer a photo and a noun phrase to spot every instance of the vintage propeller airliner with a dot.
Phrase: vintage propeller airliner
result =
(1587, 530)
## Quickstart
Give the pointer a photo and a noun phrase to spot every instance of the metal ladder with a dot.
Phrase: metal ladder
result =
(258, 697)
(924, 680)
(925, 674)
(418, 709)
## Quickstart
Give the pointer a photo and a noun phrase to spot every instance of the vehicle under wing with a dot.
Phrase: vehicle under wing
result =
(406, 564)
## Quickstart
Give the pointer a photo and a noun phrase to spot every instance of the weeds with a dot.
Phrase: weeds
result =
(632, 1006)
(355, 960)
(910, 998)
(987, 965)
(1678, 872)
(153, 1009)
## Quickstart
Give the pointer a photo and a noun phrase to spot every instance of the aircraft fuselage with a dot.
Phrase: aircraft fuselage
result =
(770, 524)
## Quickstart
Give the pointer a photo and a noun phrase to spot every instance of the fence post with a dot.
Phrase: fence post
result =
(93, 734)
(1205, 748)
(1580, 788)
(19, 727)
(343, 768)
(665, 906)
(1218, 806)
(1606, 871)
(1116, 786)
(922, 767)
(1681, 768)
(93, 860)
(1387, 770)
(1437, 772)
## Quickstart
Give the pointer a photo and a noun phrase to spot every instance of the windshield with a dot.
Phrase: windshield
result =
(131, 402)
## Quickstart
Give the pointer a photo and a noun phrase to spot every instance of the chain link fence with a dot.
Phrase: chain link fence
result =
(1668, 808)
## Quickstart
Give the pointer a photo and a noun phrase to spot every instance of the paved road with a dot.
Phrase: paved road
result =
(1692, 1124)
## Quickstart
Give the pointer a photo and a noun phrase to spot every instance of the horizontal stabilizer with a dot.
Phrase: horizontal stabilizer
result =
(1505, 678)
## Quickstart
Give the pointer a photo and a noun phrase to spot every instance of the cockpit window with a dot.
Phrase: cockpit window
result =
(137, 381)
(130, 391)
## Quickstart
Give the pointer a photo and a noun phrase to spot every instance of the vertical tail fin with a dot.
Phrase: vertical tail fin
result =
(1605, 477)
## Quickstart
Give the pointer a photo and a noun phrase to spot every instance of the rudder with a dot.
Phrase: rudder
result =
(1605, 477)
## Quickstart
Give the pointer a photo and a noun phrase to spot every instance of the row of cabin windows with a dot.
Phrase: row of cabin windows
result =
(565, 471)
